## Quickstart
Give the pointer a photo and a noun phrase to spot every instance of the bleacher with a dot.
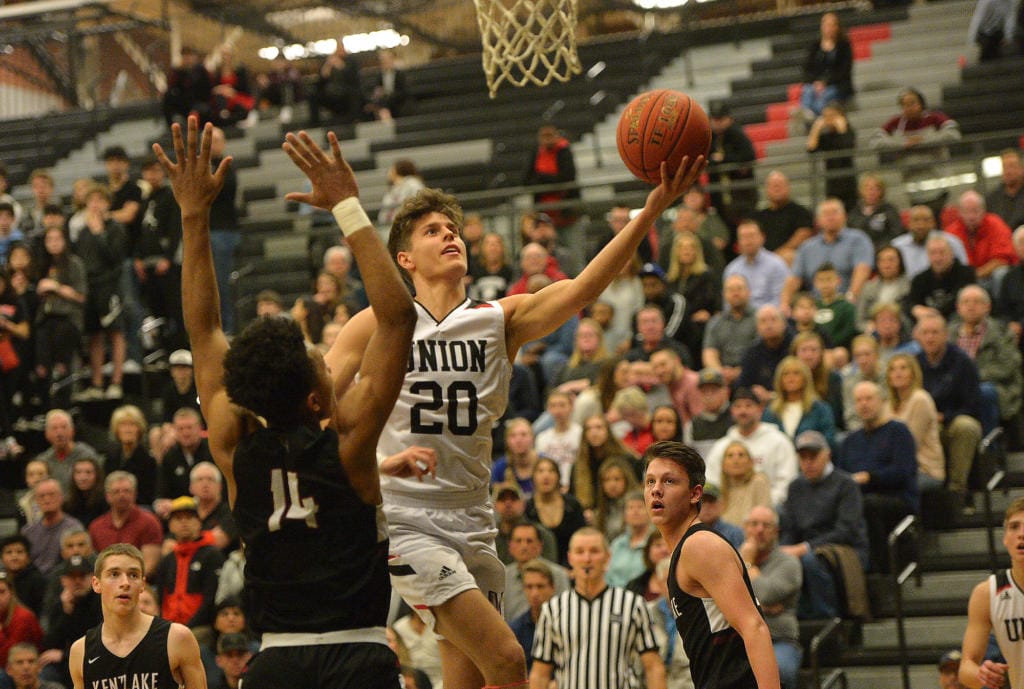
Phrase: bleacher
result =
(465, 142)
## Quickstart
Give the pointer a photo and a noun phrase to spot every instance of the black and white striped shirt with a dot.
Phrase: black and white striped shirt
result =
(593, 643)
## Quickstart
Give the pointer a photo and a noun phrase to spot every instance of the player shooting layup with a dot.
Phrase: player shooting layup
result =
(443, 560)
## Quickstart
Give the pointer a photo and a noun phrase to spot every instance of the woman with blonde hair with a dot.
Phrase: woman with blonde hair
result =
(597, 445)
(588, 354)
(128, 428)
(796, 407)
(630, 405)
(743, 487)
(912, 405)
(809, 347)
(688, 275)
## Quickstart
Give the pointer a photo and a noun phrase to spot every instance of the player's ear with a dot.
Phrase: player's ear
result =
(696, 493)
(404, 260)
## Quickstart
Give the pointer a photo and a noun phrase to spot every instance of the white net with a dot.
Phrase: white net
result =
(528, 41)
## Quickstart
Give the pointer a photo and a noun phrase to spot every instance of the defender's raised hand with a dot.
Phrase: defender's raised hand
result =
(195, 185)
(332, 178)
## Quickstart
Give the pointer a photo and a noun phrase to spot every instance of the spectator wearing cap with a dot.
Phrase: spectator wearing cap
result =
(233, 655)
(510, 510)
(882, 459)
(525, 545)
(15, 555)
(714, 418)
(180, 391)
(730, 165)
(849, 250)
(757, 369)
(770, 448)
(652, 334)
(45, 534)
(542, 231)
(949, 670)
(823, 507)
(19, 624)
(711, 508)
(187, 577)
(534, 259)
(74, 612)
(730, 331)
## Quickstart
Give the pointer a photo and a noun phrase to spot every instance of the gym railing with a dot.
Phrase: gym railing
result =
(905, 530)
(834, 628)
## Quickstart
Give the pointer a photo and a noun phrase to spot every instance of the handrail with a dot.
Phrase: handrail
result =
(992, 484)
(831, 629)
(904, 528)
(836, 678)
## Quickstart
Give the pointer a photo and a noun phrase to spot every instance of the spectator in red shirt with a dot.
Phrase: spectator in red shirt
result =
(17, 623)
(188, 575)
(987, 238)
(534, 259)
(126, 522)
(630, 404)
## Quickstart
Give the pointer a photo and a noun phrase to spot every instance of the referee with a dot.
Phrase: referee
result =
(587, 635)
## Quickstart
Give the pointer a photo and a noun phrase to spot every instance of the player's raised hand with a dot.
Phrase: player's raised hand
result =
(674, 183)
(331, 176)
(195, 185)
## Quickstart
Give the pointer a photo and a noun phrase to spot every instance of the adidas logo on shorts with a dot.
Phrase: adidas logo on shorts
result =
(445, 572)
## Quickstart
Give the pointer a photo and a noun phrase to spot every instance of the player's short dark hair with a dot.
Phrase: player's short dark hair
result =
(53, 209)
(526, 524)
(268, 371)
(6, 207)
(826, 267)
(425, 201)
(683, 455)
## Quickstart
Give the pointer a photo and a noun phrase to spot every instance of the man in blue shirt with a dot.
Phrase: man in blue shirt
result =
(849, 250)
(882, 459)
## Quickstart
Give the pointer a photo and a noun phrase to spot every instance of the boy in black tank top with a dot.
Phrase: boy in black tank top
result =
(717, 615)
(129, 648)
(300, 465)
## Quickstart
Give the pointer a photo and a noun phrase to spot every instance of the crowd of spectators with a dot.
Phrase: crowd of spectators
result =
(833, 365)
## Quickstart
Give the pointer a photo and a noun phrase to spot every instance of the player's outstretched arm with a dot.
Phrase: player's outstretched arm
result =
(975, 671)
(380, 340)
(532, 316)
(183, 654)
(195, 189)
(716, 568)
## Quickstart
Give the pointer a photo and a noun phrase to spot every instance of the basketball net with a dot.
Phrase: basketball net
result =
(527, 41)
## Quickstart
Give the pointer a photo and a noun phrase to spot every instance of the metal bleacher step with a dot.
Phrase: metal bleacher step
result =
(889, 677)
(940, 631)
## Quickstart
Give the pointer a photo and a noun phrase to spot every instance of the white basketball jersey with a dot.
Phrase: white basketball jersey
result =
(1006, 606)
(456, 388)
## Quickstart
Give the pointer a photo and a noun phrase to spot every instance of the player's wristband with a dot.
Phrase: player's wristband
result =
(350, 216)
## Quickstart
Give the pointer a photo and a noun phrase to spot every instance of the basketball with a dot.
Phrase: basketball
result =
(661, 125)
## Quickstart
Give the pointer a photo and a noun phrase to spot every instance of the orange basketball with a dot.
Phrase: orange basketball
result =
(661, 125)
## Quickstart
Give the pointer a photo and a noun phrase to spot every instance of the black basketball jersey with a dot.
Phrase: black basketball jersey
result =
(146, 667)
(316, 555)
(717, 656)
